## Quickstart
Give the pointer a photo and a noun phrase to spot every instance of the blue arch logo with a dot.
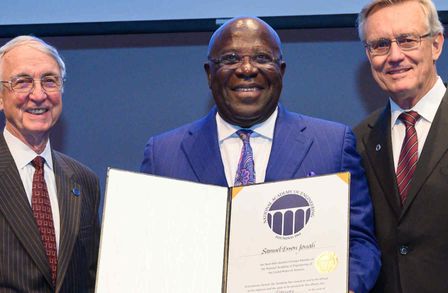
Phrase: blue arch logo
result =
(289, 214)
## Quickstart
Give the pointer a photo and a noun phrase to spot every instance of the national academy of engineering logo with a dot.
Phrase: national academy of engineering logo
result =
(288, 213)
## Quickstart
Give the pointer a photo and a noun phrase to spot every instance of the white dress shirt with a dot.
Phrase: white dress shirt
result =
(427, 108)
(230, 145)
(23, 155)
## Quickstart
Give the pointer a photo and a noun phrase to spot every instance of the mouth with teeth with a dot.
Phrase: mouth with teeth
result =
(37, 111)
(397, 71)
(246, 89)
(247, 94)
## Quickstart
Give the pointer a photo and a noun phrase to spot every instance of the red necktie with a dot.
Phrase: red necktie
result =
(40, 203)
(408, 155)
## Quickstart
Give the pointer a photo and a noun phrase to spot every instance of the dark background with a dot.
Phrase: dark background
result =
(126, 83)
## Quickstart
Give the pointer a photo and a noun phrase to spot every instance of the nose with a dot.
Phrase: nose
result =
(37, 93)
(395, 53)
(246, 69)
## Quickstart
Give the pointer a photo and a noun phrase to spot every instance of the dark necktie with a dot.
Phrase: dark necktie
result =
(40, 203)
(246, 170)
(408, 155)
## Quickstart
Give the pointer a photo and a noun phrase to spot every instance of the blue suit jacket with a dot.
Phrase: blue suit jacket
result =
(301, 145)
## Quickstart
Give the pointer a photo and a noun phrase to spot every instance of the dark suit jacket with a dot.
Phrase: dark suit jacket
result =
(301, 145)
(413, 239)
(23, 263)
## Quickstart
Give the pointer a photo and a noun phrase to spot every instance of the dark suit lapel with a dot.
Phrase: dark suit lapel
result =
(202, 150)
(378, 147)
(69, 208)
(436, 145)
(289, 147)
(17, 210)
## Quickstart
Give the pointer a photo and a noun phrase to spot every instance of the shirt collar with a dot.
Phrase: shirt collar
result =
(426, 107)
(23, 154)
(265, 128)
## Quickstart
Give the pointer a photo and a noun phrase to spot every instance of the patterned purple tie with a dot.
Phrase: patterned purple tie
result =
(40, 202)
(246, 171)
(408, 155)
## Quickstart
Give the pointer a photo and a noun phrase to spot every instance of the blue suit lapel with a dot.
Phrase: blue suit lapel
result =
(201, 148)
(289, 147)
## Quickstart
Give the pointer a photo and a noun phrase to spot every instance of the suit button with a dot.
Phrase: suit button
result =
(404, 250)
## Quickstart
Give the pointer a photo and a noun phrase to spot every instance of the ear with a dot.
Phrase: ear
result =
(368, 55)
(1, 99)
(207, 71)
(437, 46)
(283, 68)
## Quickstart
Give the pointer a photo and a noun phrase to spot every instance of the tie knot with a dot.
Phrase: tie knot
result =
(244, 134)
(38, 162)
(409, 118)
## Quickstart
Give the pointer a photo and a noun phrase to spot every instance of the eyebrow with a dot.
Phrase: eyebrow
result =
(396, 36)
(252, 51)
(48, 73)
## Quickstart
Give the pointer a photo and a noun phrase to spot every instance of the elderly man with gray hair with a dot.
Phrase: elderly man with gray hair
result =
(49, 229)
(404, 146)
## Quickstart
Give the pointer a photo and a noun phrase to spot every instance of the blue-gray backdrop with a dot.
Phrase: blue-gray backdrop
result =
(121, 89)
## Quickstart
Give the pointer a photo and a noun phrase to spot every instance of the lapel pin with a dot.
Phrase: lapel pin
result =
(378, 147)
(76, 191)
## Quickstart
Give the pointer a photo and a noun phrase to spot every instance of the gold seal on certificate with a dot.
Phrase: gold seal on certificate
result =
(326, 262)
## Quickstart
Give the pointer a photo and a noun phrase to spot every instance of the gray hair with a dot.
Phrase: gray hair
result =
(434, 24)
(35, 43)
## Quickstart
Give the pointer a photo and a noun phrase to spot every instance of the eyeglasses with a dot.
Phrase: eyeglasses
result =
(25, 84)
(233, 60)
(406, 42)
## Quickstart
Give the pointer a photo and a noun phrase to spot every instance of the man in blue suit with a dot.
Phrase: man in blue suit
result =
(245, 71)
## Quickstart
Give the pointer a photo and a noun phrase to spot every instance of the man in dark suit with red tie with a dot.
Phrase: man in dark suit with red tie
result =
(49, 230)
(404, 146)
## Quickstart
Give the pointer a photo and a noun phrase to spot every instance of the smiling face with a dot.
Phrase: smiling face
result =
(406, 75)
(248, 93)
(30, 116)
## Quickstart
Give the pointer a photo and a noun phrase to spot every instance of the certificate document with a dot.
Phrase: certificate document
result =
(161, 235)
(166, 235)
(290, 236)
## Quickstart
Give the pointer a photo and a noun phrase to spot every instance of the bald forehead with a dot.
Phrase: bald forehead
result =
(245, 24)
(240, 27)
